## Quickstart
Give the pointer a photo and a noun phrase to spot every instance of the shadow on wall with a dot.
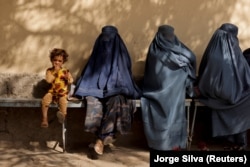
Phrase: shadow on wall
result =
(40, 89)
(22, 86)
(30, 29)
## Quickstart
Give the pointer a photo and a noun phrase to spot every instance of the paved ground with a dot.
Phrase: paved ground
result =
(19, 155)
(22, 143)
(34, 154)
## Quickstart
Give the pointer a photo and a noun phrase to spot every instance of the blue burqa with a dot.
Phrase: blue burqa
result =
(169, 75)
(108, 71)
(224, 83)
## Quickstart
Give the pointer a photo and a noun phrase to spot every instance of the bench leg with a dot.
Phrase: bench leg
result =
(188, 131)
(64, 136)
(190, 138)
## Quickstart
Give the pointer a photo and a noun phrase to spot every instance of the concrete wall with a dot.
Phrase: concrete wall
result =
(29, 29)
(22, 86)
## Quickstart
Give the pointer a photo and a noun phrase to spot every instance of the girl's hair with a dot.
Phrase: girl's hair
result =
(59, 52)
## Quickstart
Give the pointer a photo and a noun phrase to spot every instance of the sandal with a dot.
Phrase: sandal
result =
(60, 117)
(98, 147)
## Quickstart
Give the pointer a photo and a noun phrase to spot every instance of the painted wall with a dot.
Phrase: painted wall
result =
(29, 29)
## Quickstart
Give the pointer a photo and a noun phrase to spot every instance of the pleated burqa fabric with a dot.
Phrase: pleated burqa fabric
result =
(108, 71)
(224, 82)
(169, 75)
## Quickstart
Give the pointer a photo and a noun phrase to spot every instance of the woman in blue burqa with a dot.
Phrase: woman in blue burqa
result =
(169, 75)
(224, 85)
(108, 87)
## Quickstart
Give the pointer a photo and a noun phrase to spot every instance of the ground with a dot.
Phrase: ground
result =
(19, 155)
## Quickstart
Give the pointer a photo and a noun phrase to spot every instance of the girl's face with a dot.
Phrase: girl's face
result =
(57, 62)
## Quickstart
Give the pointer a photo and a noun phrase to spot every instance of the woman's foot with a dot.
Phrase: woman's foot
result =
(234, 148)
(237, 148)
(98, 147)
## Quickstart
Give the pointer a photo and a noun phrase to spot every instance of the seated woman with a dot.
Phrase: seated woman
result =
(169, 76)
(106, 83)
(224, 84)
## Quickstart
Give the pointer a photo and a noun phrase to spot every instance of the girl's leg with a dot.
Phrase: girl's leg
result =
(61, 114)
(47, 99)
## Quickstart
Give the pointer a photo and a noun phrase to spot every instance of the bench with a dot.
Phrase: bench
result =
(35, 103)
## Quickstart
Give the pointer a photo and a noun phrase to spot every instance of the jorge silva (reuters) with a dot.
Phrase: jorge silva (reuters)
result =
(199, 159)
